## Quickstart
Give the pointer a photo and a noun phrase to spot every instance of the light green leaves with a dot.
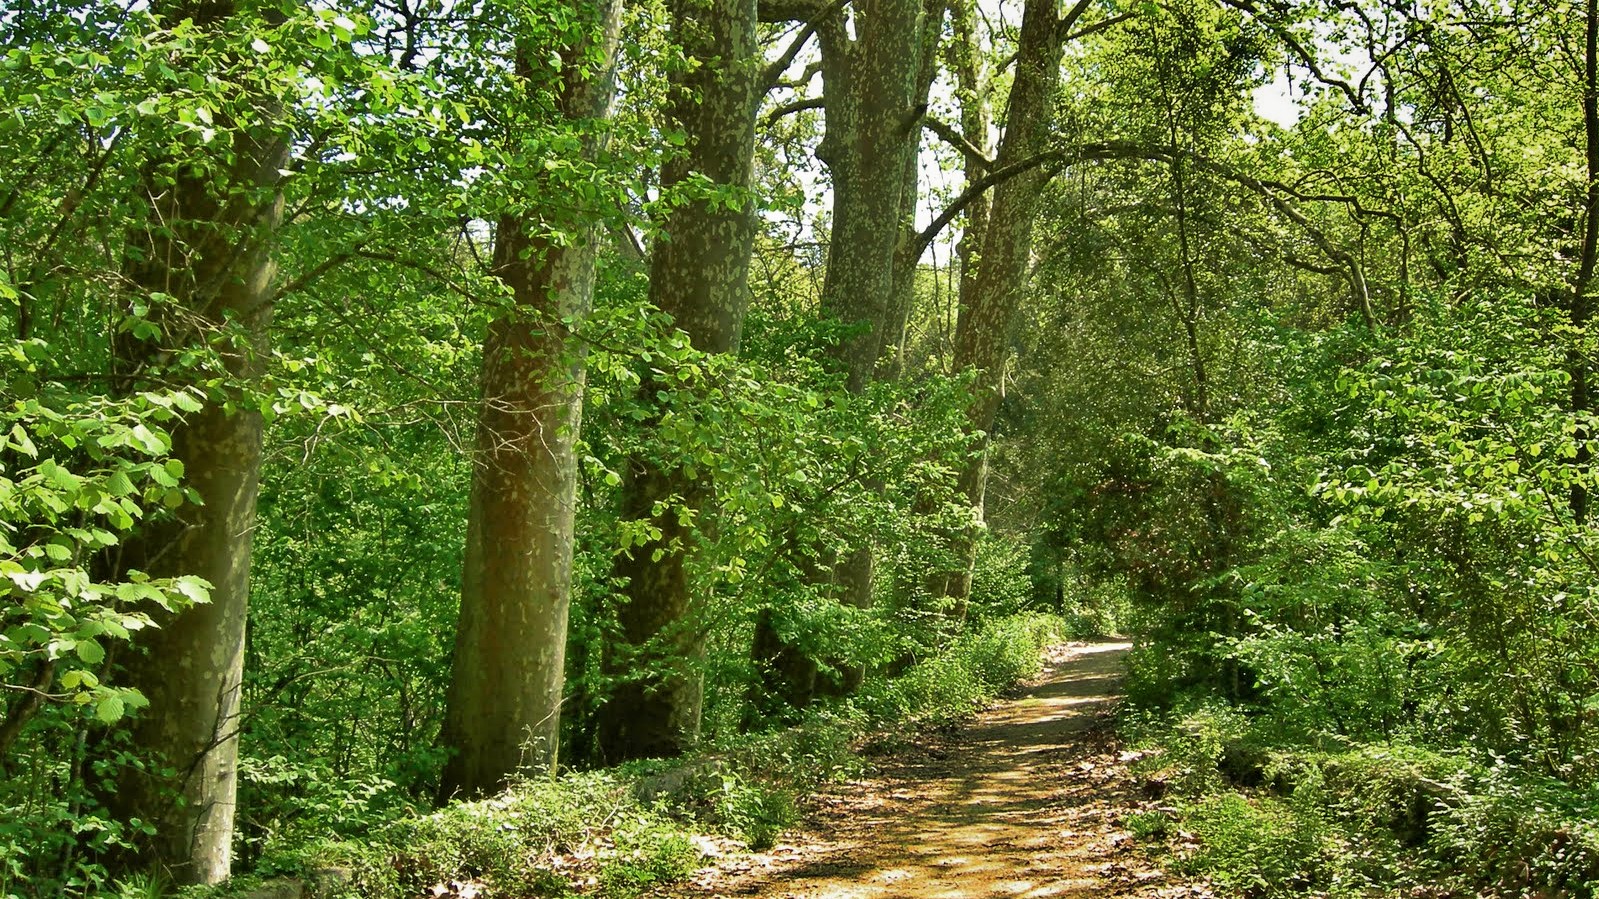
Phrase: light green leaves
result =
(91, 467)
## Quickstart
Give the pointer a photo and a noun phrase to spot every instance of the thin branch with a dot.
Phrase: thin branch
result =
(1069, 21)
(949, 135)
(810, 71)
(315, 272)
(774, 11)
(975, 190)
(799, 105)
(1097, 27)
(773, 72)
(1306, 58)
(1059, 159)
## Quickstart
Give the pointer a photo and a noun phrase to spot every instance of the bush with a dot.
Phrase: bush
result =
(646, 851)
(970, 672)
(1257, 847)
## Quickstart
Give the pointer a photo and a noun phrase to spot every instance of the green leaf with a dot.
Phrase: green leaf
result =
(109, 710)
(90, 652)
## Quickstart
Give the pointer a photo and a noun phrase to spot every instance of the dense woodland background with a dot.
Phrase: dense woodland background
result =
(405, 401)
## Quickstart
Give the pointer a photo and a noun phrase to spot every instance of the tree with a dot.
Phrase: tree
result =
(503, 712)
(877, 67)
(200, 258)
(698, 272)
(987, 312)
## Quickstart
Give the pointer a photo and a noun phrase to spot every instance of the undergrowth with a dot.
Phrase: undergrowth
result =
(620, 832)
(1262, 816)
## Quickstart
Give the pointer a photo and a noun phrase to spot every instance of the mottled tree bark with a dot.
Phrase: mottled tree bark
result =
(508, 671)
(908, 249)
(972, 90)
(875, 86)
(987, 312)
(698, 275)
(873, 113)
(206, 247)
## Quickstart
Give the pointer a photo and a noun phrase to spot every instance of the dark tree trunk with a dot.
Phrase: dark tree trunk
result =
(504, 704)
(698, 275)
(1583, 281)
(973, 92)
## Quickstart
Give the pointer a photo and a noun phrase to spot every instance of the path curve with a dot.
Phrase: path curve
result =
(1025, 802)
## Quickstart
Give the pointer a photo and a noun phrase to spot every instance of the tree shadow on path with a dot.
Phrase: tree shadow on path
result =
(1024, 802)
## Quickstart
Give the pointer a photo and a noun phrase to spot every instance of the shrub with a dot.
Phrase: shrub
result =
(647, 851)
(1259, 847)
(971, 671)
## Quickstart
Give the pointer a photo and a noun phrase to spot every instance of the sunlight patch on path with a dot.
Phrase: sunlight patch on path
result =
(1024, 803)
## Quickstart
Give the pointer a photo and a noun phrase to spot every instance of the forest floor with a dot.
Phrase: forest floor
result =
(1025, 801)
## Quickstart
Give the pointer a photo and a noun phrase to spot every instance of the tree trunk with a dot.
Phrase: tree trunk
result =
(873, 113)
(986, 314)
(972, 89)
(206, 248)
(504, 701)
(1583, 280)
(875, 88)
(908, 249)
(698, 275)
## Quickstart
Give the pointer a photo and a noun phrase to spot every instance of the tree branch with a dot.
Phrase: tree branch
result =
(949, 135)
(1097, 27)
(1306, 58)
(1272, 192)
(774, 11)
(799, 105)
(315, 272)
(1069, 21)
(814, 14)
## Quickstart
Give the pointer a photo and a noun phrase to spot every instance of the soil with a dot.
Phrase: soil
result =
(1026, 801)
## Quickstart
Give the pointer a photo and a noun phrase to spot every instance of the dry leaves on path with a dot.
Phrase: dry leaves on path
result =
(1026, 802)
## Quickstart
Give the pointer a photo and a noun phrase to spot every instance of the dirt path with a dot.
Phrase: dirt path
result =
(1024, 802)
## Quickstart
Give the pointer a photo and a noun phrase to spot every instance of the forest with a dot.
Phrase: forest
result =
(475, 447)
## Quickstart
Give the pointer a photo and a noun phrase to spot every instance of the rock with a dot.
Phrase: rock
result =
(674, 785)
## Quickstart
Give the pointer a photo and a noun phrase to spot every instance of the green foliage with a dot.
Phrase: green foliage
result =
(1262, 818)
(534, 840)
(628, 830)
(647, 854)
(968, 673)
(76, 475)
(1291, 405)
(1258, 847)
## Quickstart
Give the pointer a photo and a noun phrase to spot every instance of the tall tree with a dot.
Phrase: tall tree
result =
(504, 703)
(1588, 255)
(201, 259)
(877, 66)
(989, 308)
(698, 274)
(874, 98)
